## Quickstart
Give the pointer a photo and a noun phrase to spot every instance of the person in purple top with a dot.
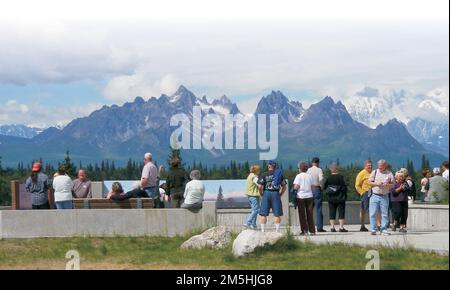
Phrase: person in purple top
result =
(399, 199)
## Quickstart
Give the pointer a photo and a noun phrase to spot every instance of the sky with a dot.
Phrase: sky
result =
(63, 59)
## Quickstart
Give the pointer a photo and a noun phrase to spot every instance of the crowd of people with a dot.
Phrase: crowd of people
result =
(179, 190)
(384, 195)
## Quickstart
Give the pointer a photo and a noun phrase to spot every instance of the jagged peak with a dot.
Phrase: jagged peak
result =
(139, 100)
(204, 100)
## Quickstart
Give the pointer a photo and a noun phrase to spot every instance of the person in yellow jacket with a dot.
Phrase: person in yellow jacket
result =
(362, 187)
(254, 196)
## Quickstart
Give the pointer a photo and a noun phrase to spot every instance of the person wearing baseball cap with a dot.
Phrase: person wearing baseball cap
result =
(37, 185)
(273, 185)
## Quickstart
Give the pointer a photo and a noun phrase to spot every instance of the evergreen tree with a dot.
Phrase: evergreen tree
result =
(68, 164)
(410, 168)
(174, 153)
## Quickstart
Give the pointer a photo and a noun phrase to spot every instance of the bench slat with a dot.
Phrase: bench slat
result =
(103, 203)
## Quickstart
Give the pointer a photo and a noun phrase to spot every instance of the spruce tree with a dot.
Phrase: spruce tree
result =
(68, 164)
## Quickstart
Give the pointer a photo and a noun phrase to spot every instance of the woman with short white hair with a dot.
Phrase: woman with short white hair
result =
(399, 200)
(194, 192)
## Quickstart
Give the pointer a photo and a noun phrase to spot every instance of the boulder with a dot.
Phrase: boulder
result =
(217, 238)
(248, 240)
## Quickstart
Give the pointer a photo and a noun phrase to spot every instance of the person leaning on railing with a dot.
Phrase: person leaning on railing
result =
(37, 185)
(194, 192)
(63, 185)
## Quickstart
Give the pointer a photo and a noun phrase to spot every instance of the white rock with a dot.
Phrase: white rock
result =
(248, 240)
(216, 237)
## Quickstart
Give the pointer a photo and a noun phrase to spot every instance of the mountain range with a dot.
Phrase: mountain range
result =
(326, 129)
(425, 115)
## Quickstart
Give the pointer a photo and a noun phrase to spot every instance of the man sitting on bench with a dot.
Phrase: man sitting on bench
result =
(148, 186)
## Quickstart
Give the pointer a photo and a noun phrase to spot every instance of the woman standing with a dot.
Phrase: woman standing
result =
(303, 184)
(399, 198)
(62, 184)
(336, 190)
(37, 185)
(254, 196)
(425, 184)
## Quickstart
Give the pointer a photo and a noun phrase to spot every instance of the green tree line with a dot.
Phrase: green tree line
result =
(107, 170)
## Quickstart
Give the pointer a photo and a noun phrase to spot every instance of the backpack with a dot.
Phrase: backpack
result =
(369, 193)
(412, 188)
(335, 193)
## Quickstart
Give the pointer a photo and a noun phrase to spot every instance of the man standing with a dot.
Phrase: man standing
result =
(273, 185)
(381, 181)
(149, 177)
(82, 186)
(317, 176)
(362, 187)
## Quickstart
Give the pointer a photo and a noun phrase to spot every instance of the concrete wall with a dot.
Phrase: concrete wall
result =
(235, 218)
(104, 222)
(428, 217)
(171, 222)
(352, 209)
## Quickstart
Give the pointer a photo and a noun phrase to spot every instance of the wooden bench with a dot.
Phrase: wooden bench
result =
(98, 203)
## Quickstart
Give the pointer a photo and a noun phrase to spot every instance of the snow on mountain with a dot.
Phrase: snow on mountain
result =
(18, 130)
(220, 106)
(432, 135)
(276, 103)
(371, 106)
(426, 115)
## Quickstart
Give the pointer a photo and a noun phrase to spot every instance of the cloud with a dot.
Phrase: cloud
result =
(58, 52)
(368, 92)
(41, 116)
(127, 87)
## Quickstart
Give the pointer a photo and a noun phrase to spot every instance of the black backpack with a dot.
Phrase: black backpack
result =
(335, 193)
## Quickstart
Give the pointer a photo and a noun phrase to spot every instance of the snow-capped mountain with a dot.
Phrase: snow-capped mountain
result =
(372, 107)
(426, 115)
(432, 135)
(276, 103)
(120, 132)
(220, 106)
(19, 131)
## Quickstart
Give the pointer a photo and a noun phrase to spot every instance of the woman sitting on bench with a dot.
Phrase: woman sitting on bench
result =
(116, 191)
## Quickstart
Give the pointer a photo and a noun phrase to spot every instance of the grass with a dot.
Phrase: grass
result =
(165, 253)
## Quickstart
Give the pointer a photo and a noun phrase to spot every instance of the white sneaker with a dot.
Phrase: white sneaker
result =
(385, 233)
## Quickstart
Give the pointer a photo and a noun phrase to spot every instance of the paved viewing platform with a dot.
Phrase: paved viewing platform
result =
(437, 242)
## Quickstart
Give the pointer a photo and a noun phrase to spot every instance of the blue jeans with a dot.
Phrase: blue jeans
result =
(379, 203)
(422, 196)
(65, 204)
(318, 199)
(152, 192)
(254, 204)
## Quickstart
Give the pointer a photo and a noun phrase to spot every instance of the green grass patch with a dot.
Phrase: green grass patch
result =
(165, 253)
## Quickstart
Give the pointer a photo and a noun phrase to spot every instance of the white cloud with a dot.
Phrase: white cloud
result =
(227, 9)
(57, 52)
(40, 116)
(127, 87)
